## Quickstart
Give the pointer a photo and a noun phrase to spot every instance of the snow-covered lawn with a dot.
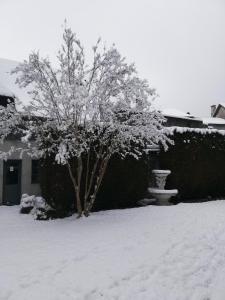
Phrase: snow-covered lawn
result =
(152, 253)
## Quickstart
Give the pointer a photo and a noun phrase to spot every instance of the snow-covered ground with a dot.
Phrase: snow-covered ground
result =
(151, 253)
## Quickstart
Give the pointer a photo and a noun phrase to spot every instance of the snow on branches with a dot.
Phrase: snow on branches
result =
(84, 113)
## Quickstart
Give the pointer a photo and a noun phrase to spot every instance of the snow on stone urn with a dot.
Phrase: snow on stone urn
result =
(160, 177)
(161, 195)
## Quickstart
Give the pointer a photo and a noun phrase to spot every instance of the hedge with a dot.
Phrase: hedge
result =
(125, 183)
(197, 162)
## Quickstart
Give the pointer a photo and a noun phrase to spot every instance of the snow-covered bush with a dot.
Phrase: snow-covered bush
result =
(82, 113)
(37, 206)
(26, 203)
(40, 203)
(41, 210)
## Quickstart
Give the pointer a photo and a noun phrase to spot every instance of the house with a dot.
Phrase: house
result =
(21, 175)
(178, 118)
(217, 119)
(214, 122)
(17, 175)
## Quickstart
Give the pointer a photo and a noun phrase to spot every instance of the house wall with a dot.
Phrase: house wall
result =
(217, 126)
(183, 122)
(26, 185)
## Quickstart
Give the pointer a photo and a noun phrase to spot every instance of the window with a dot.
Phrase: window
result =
(12, 172)
(35, 171)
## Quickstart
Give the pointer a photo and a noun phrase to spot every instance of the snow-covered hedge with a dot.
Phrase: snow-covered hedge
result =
(203, 131)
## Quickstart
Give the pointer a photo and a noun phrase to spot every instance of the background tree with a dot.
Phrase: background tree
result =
(82, 113)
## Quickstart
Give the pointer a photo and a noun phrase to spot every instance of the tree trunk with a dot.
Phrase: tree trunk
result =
(89, 205)
(78, 202)
(77, 191)
(92, 182)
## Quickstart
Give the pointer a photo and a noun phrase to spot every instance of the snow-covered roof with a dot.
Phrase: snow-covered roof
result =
(172, 112)
(7, 82)
(174, 129)
(216, 121)
(4, 91)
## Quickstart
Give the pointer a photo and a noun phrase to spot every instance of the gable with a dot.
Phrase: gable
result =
(220, 112)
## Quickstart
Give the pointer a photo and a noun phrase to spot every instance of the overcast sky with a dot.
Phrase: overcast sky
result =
(178, 45)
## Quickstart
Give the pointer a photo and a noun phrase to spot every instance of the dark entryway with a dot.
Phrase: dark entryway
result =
(12, 182)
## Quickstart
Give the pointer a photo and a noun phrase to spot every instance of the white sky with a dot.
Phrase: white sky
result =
(178, 45)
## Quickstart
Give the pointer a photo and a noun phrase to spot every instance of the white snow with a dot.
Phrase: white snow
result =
(151, 253)
(173, 129)
(155, 171)
(162, 191)
(218, 121)
(173, 112)
(7, 82)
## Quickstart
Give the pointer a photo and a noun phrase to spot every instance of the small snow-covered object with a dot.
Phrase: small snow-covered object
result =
(37, 206)
(26, 203)
(40, 202)
(40, 214)
(42, 210)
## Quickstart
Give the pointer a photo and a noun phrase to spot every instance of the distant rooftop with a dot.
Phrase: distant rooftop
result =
(7, 82)
(4, 91)
(212, 120)
(172, 112)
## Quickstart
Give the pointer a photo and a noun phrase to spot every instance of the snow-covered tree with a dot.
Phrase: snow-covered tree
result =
(82, 113)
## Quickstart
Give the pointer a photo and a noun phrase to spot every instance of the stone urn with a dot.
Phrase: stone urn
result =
(160, 178)
(161, 195)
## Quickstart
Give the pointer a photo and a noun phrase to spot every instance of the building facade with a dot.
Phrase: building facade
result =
(18, 175)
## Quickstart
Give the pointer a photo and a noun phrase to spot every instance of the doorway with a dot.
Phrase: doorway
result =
(12, 182)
